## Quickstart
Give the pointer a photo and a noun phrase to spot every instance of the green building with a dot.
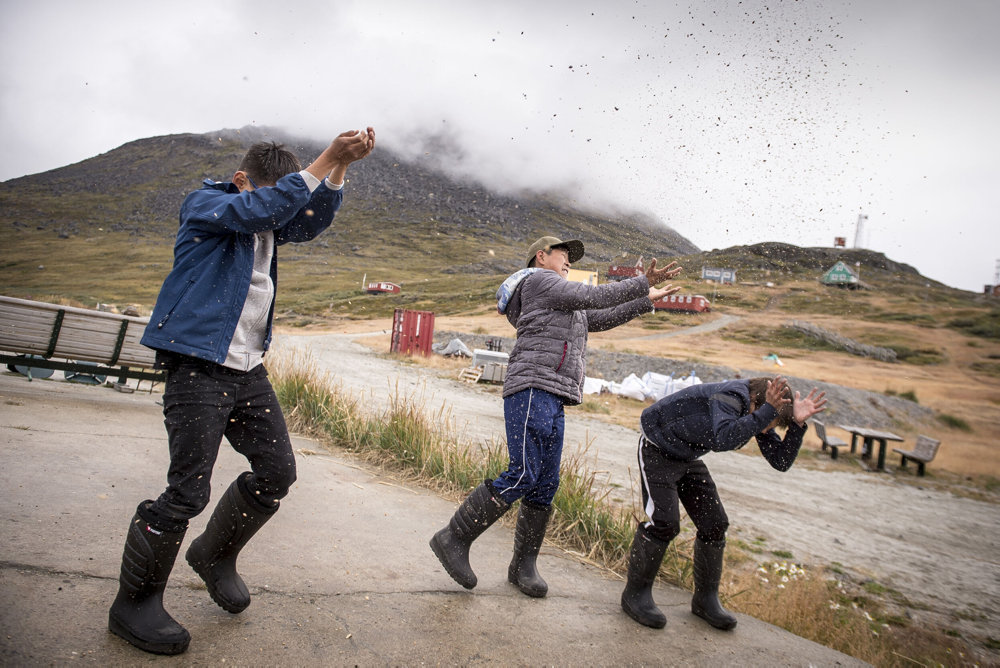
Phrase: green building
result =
(841, 275)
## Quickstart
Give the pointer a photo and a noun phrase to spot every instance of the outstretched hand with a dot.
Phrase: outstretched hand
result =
(347, 147)
(805, 408)
(352, 146)
(777, 393)
(654, 275)
(660, 293)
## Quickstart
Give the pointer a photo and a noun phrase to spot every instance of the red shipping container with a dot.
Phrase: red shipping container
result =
(412, 332)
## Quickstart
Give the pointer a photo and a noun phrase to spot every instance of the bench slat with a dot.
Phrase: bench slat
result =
(27, 327)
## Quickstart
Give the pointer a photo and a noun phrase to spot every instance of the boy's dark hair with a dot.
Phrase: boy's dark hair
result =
(758, 397)
(268, 161)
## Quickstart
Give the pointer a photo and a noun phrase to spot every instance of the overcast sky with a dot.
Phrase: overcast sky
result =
(774, 120)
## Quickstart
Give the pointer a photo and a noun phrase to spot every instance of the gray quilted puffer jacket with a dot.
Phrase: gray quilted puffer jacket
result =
(552, 316)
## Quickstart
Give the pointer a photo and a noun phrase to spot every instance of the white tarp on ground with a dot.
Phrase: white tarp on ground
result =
(453, 347)
(595, 385)
(632, 387)
(652, 386)
(659, 385)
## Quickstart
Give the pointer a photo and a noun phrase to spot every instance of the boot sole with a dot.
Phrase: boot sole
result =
(168, 649)
(722, 626)
(229, 607)
(651, 623)
(528, 591)
(439, 553)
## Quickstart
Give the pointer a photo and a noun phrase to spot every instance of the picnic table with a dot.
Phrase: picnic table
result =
(869, 437)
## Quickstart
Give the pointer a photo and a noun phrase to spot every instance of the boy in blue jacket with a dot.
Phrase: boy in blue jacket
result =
(210, 328)
(676, 431)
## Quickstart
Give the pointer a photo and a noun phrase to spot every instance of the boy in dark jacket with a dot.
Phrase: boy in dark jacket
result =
(210, 327)
(545, 372)
(676, 431)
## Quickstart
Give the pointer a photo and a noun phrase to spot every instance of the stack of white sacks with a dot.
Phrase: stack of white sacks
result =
(652, 386)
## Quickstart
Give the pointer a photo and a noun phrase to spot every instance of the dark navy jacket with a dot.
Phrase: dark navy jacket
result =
(202, 298)
(715, 417)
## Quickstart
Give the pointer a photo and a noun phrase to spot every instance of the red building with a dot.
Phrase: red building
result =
(382, 287)
(685, 303)
(622, 270)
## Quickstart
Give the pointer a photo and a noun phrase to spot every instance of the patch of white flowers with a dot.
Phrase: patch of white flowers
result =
(781, 572)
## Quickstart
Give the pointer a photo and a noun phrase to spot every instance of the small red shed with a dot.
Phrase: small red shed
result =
(685, 303)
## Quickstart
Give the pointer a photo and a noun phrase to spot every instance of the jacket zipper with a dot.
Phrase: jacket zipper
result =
(173, 306)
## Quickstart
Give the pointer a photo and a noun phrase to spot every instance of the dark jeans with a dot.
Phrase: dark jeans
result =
(665, 482)
(202, 402)
(535, 421)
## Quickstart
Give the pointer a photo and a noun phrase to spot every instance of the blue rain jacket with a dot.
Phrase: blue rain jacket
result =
(202, 297)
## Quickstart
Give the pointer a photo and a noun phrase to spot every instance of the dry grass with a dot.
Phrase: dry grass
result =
(834, 611)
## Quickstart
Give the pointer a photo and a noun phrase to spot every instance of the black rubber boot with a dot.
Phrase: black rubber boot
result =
(643, 565)
(137, 614)
(707, 574)
(213, 554)
(451, 544)
(531, 522)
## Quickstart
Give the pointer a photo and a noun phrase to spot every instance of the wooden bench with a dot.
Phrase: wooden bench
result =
(831, 442)
(75, 339)
(922, 453)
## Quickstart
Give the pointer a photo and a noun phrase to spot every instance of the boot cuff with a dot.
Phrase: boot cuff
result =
(158, 523)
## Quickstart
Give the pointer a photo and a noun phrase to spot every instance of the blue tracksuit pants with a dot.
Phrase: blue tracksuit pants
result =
(535, 422)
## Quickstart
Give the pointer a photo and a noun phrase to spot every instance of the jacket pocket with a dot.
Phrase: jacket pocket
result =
(173, 307)
(563, 358)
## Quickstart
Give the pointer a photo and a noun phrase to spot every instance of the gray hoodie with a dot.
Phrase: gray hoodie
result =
(552, 316)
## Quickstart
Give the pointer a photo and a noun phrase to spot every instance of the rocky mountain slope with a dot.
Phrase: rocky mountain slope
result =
(137, 188)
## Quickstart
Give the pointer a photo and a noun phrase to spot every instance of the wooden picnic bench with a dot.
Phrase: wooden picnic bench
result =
(831, 442)
(50, 336)
(922, 453)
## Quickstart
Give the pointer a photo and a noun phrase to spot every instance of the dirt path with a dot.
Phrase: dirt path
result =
(711, 326)
(939, 550)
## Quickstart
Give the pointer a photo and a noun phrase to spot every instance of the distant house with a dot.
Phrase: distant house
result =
(382, 287)
(841, 276)
(621, 270)
(718, 275)
(685, 303)
(581, 276)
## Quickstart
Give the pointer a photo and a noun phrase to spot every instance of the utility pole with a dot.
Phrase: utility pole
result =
(862, 217)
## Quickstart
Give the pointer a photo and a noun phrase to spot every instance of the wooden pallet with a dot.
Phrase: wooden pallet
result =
(471, 374)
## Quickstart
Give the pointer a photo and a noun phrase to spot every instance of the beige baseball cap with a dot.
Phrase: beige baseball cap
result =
(574, 247)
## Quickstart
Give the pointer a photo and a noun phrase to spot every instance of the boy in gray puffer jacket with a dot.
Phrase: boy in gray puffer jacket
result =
(545, 372)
